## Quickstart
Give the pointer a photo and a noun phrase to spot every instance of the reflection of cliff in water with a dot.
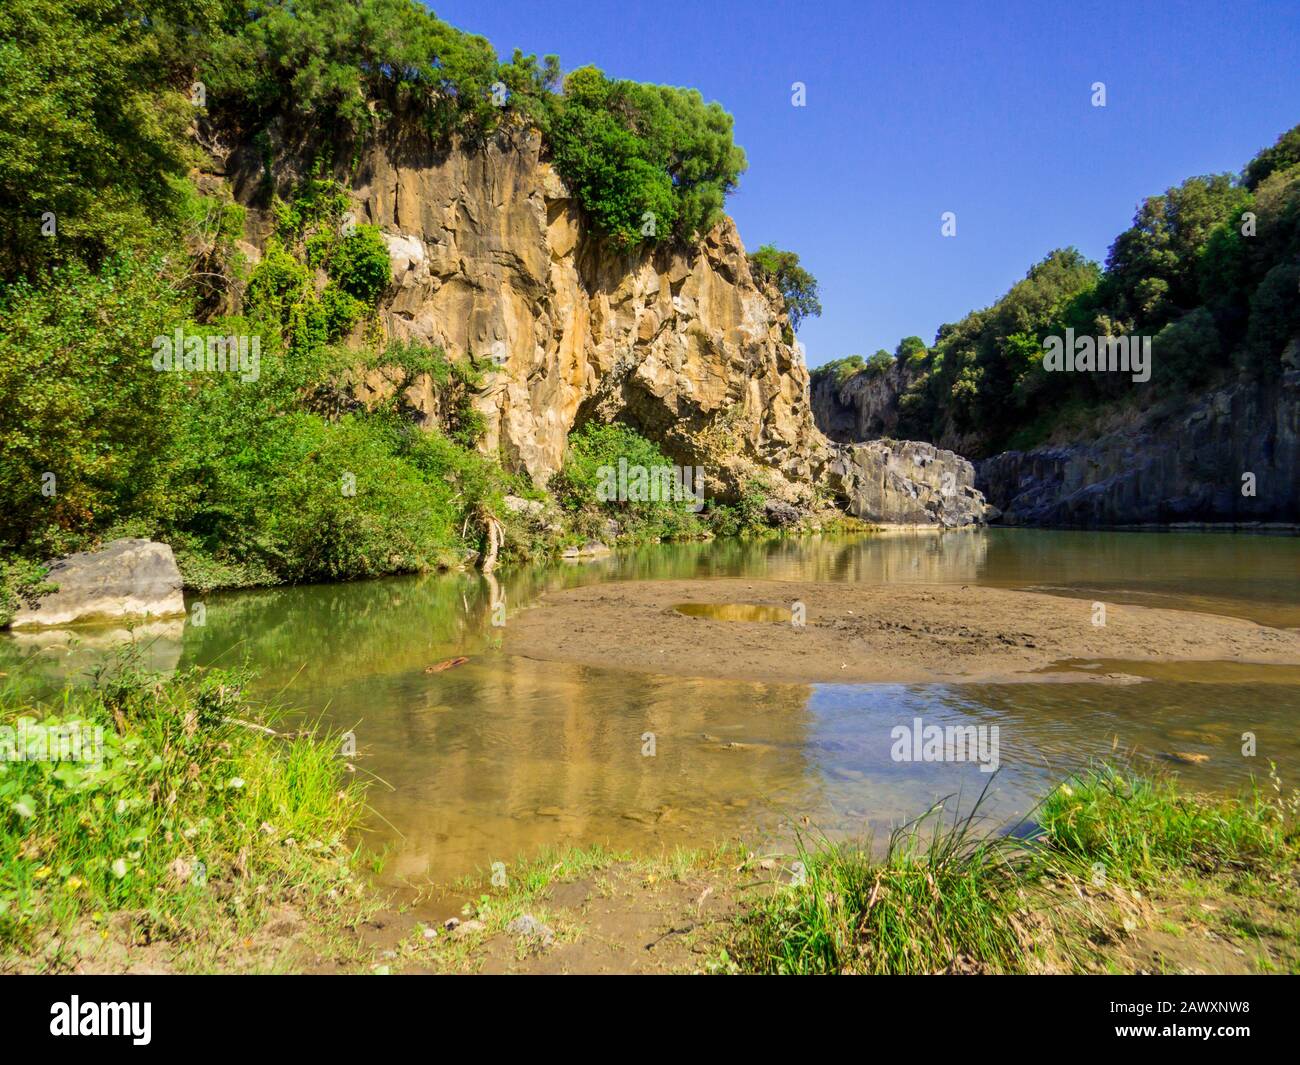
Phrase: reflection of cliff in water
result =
(502, 755)
(506, 756)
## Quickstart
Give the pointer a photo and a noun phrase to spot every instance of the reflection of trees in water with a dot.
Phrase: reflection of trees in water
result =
(1244, 575)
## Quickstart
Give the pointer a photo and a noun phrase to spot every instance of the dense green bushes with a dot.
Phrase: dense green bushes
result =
(646, 161)
(91, 127)
(590, 483)
(87, 427)
(264, 472)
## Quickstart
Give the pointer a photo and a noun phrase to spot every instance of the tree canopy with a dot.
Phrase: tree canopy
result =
(1209, 269)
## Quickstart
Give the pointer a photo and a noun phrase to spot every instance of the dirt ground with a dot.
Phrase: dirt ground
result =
(637, 916)
(870, 633)
(623, 917)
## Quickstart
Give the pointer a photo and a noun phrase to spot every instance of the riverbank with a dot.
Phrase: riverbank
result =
(169, 825)
(1125, 874)
(201, 838)
(850, 632)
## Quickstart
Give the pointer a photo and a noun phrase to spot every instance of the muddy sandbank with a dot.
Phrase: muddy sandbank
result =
(903, 633)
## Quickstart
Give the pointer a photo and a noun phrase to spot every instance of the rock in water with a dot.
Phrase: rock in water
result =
(125, 578)
(907, 483)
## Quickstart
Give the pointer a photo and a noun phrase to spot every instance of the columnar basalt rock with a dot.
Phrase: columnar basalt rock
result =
(1229, 459)
(493, 260)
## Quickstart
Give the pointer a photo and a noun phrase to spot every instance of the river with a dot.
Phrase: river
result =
(502, 756)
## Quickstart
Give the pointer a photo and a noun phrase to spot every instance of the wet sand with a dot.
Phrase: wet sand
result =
(907, 633)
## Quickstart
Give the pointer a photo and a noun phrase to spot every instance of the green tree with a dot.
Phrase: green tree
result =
(1152, 268)
(910, 350)
(1281, 156)
(879, 363)
(90, 125)
(87, 425)
(797, 286)
(648, 162)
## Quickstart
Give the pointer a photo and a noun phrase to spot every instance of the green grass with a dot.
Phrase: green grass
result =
(1138, 829)
(942, 893)
(191, 828)
(953, 897)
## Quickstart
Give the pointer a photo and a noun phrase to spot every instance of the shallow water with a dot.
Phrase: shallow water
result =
(735, 612)
(502, 755)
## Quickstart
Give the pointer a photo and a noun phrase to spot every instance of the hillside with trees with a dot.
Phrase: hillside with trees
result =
(1209, 269)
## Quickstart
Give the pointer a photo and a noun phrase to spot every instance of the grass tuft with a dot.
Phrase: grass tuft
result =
(191, 825)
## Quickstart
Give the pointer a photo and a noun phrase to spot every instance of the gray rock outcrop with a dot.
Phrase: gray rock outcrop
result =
(125, 578)
(1229, 459)
(892, 482)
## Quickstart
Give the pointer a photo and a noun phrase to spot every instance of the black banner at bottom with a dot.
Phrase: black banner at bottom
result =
(144, 1013)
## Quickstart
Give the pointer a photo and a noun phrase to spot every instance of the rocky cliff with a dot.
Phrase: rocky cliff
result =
(493, 260)
(1231, 457)
(864, 406)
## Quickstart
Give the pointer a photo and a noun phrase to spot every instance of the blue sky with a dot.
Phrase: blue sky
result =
(914, 109)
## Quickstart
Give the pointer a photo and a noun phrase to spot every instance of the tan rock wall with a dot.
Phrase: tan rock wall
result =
(492, 259)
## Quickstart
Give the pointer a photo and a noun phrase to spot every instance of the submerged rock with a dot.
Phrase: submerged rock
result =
(125, 578)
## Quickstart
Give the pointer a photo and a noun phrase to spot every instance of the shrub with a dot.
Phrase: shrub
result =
(87, 425)
(22, 583)
(1184, 351)
(594, 451)
(360, 265)
(879, 363)
(647, 162)
(89, 129)
(1274, 318)
(797, 286)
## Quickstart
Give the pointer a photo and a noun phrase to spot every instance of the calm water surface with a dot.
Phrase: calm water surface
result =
(502, 756)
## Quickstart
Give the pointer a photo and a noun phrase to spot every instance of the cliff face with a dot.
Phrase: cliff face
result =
(492, 260)
(1188, 467)
(1185, 464)
(864, 407)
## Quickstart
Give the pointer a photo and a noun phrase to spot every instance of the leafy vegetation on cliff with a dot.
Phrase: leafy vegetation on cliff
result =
(649, 163)
(260, 472)
(1210, 270)
(797, 286)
